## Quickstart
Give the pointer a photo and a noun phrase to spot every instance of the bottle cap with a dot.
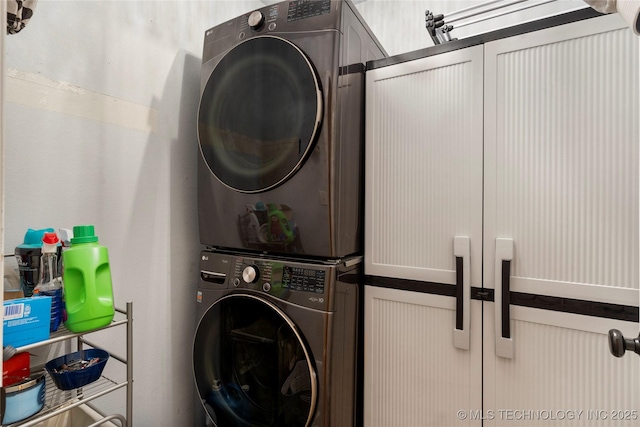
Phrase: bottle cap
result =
(83, 234)
(49, 242)
(33, 238)
(50, 238)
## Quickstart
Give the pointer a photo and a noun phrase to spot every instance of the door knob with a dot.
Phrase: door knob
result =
(618, 344)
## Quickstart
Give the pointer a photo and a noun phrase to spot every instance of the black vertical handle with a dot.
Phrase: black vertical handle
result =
(502, 277)
(462, 254)
(459, 294)
(3, 403)
(506, 299)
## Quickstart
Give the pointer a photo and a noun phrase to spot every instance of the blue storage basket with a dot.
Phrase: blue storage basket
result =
(81, 377)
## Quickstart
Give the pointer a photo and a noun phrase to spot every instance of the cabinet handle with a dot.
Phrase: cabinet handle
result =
(506, 299)
(462, 252)
(3, 402)
(504, 256)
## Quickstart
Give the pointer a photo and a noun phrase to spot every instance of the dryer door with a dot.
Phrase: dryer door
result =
(251, 365)
(259, 114)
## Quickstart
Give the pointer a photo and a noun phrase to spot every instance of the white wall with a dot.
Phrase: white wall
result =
(100, 129)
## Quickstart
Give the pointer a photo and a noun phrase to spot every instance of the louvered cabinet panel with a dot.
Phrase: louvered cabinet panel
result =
(562, 158)
(564, 375)
(561, 208)
(414, 376)
(424, 166)
(423, 225)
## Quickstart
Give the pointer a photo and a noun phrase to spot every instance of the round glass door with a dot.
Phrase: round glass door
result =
(259, 114)
(251, 366)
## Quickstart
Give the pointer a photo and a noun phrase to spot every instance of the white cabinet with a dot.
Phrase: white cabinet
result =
(561, 184)
(57, 402)
(423, 189)
(518, 158)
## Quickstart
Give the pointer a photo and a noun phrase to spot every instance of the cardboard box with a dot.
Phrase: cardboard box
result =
(13, 294)
(26, 321)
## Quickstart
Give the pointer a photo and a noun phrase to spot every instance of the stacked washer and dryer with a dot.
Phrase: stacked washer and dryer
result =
(280, 192)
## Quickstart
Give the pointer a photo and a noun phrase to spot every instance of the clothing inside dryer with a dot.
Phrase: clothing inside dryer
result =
(251, 367)
(259, 114)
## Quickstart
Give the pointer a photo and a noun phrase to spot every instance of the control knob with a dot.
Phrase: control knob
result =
(250, 274)
(256, 19)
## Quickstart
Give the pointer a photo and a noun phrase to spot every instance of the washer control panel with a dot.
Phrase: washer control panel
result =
(303, 279)
(273, 275)
(313, 284)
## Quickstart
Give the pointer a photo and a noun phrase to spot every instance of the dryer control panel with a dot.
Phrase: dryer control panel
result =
(301, 9)
(283, 17)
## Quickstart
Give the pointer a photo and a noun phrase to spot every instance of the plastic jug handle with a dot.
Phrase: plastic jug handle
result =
(90, 286)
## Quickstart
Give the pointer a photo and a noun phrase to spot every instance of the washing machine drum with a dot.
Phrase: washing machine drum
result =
(259, 114)
(252, 367)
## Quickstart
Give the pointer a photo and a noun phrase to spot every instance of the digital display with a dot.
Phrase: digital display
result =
(301, 9)
(303, 279)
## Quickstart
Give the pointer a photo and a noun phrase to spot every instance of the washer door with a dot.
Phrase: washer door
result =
(252, 367)
(259, 114)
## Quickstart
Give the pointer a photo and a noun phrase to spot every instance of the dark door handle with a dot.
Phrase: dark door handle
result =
(3, 403)
(618, 344)
(502, 272)
(462, 252)
(459, 293)
(506, 298)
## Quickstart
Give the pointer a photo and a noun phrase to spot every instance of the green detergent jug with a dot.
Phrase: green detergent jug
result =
(87, 282)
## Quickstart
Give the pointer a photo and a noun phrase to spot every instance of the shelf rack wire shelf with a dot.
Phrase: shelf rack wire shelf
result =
(58, 402)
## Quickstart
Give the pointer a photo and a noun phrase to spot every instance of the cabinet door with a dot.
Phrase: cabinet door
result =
(424, 166)
(423, 237)
(414, 376)
(561, 225)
